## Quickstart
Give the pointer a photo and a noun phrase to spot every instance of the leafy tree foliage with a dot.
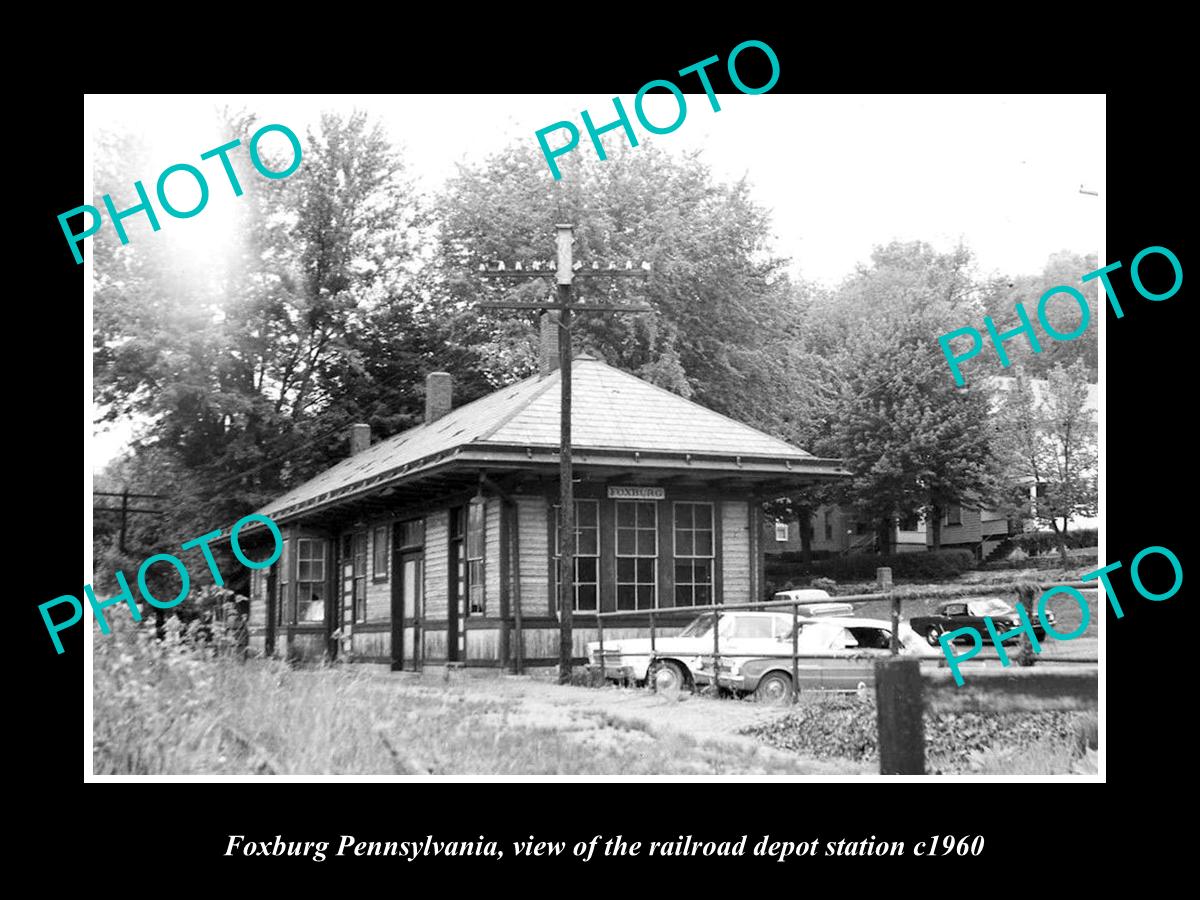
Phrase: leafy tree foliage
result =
(1049, 440)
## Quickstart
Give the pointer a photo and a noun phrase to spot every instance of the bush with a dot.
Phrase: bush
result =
(1035, 543)
(931, 565)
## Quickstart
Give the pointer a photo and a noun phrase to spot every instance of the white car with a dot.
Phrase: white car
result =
(838, 654)
(674, 660)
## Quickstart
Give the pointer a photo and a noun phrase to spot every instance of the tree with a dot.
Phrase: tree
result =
(1049, 442)
(1000, 295)
(246, 366)
(912, 441)
(724, 329)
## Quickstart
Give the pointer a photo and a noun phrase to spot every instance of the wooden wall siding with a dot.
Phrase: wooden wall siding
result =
(969, 532)
(434, 644)
(483, 643)
(535, 548)
(735, 550)
(372, 644)
(307, 645)
(258, 598)
(437, 566)
(491, 557)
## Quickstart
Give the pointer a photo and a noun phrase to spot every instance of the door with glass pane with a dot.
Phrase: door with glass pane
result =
(412, 579)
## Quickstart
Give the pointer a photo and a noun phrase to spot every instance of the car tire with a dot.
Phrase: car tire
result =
(668, 677)
(934, 636)
(774, 689)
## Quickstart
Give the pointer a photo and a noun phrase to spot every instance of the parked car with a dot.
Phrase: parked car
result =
(672, 664)
(815, 602)
(838, 654)
(970, 614)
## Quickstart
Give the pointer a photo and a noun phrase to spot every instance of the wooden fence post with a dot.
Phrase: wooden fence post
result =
(1027, 593)
(900, 706)
(883, 577)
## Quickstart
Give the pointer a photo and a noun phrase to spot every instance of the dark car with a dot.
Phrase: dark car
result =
(970, 614)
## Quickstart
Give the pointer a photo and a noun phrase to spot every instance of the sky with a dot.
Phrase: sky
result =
(841, 173)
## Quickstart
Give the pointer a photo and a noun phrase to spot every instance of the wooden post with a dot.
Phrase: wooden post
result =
(564, 277)
(600, 638)
(566, 475)
(795, 651)
(900, 705)
(883, 575)
(716, 653)
(1026, 597)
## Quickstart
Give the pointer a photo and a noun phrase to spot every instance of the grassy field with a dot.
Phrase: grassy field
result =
(160, 709)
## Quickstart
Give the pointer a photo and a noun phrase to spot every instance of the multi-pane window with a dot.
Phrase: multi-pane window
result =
(693, 554)
(637, 554)
(828, 527)
(379, 553)
(953, 515)
(587, 554)
(310, 580)
(475, 550)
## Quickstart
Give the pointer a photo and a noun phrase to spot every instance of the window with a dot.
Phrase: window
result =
(910, 523)
(781, 531)
(748, 627)
(637, 554)
(872, 638)
(694, 554)
(354, 574)
(412, 534)
(379, 558)
(953, 515)
(828, 527)
(310, 580)
(587, 554)
(475, 540)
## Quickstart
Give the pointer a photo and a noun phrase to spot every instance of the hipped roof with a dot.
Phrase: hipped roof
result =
(613, 413)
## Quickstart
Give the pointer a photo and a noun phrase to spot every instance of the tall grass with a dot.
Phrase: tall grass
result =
(165, 707)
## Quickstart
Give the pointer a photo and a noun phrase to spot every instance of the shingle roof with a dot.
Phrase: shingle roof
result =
(611, 410)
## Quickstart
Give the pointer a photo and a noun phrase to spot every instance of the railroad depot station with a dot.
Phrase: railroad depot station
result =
(438, 545)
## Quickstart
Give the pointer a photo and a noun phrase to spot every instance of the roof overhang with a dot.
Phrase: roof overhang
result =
(443, 472)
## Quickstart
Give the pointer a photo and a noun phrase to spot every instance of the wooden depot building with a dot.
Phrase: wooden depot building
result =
(439, 544)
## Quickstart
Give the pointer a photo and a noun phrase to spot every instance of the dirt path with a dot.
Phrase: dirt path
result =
(625, 716)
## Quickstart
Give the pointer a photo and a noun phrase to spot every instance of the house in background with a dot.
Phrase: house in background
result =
(439, 544)
(837, 530)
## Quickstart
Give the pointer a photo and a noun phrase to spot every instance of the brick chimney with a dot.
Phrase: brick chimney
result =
(548, 350)
(439, 391)
(360, 438)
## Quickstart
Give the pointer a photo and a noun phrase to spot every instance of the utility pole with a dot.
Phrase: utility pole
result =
(125, 509)
(566, 272)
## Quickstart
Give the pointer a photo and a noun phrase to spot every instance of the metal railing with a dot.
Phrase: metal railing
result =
(895, 601)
